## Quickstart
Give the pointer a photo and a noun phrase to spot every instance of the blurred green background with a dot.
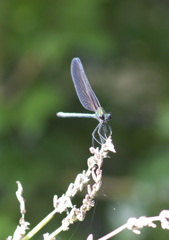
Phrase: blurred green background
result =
(124, 47)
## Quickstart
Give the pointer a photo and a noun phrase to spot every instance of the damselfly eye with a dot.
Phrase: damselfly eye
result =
(109, 116)
(102, 117)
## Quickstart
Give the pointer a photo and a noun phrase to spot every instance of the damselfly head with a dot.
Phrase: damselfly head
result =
(106, 117)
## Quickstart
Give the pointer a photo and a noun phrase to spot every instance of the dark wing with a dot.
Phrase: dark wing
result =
(83, 89)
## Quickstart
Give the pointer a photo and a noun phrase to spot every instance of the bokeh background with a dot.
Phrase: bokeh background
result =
(124, 47)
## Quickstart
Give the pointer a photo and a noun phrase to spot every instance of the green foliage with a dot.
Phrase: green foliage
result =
(124, 49)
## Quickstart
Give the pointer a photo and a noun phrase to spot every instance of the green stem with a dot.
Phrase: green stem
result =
(40, 225)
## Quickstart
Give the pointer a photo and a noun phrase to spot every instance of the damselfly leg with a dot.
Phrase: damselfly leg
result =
(101, 133)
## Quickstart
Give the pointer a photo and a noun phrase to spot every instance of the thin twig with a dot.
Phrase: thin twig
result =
(21, 229)
(135, 225)
(64, 203)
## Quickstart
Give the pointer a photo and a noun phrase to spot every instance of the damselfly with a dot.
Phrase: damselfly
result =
(89, 101)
